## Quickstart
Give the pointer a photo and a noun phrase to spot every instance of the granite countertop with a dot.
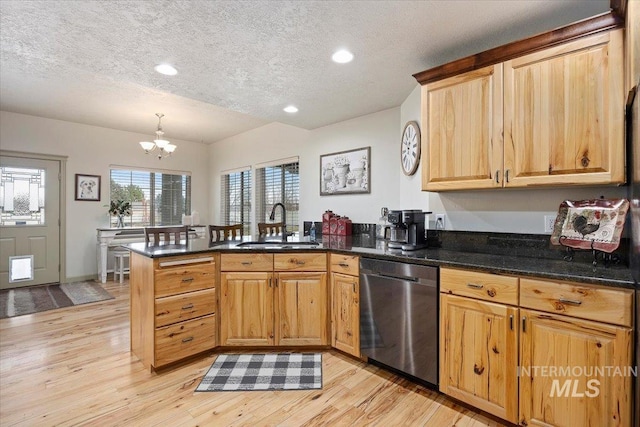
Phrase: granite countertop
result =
(542, 267)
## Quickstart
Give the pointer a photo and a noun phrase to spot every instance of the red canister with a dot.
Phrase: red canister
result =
(326, 219)
(344, 226)
(333, 224)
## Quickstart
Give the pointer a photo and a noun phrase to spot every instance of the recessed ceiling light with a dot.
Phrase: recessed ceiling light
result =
(342, 56)
(166, 69)
(291, 109)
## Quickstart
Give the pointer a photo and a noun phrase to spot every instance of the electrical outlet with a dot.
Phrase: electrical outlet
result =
(440, 221)
(549, 223)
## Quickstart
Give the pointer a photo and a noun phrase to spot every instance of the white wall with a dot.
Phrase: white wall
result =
(91, 150)
(276, 141)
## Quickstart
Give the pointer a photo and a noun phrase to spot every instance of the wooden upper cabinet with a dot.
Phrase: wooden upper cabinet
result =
(462, 116)
(547, 110)
(564, 114)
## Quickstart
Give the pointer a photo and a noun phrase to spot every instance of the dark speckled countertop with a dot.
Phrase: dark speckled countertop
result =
(543, 264)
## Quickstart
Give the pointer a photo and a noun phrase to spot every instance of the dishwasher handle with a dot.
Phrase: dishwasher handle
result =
(401, 279)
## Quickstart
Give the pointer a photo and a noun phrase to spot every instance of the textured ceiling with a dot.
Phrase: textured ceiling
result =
(241, 62)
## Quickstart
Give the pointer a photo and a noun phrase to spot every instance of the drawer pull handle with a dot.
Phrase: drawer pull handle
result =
(186, 261)
(298, 262)
(524, 323)
(475, 286)
(506, 175)
(246, 263)
(184, 340)
(343, 264)
(511, 322)
(570, 301)
(497, 176)
(187, 280)
(188, 307)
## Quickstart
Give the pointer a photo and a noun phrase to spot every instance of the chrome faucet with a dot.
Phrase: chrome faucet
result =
(284, 219)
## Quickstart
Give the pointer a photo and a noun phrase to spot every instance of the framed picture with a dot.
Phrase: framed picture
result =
(346, 172)
(88, 187)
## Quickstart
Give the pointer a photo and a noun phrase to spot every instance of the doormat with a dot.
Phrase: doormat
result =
(34, 299)
(284, 371)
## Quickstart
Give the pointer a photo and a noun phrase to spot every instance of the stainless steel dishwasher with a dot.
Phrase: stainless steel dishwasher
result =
(399, 316)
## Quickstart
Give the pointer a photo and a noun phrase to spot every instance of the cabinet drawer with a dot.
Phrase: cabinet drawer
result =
(184, 278)
(300, 262)
(184, 339)
(484, 286)
(346, 264)
(177, 308)
(246, 262)
(579, 300)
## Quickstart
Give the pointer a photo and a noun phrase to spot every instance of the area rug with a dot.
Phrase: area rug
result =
(284, 371)
(34, 299)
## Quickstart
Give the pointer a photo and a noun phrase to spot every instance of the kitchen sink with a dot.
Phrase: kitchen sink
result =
(278, 245)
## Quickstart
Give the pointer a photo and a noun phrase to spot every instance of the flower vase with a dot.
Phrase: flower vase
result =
(120, 221)
(341, 173)
(357, 174)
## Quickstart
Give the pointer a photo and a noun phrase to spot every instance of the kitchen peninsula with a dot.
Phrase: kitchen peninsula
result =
(177, 306)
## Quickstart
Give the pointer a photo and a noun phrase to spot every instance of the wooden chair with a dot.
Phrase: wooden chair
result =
(156, 236)
(223, 233)
(266, 229)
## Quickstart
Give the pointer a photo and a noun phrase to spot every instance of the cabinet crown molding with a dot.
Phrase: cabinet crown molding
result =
(599, 23)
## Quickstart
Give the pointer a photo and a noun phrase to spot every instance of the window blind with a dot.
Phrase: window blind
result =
(156, 198)
(279, 184)
(235, 203)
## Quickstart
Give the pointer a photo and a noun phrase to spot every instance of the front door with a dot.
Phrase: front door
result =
(29, 222)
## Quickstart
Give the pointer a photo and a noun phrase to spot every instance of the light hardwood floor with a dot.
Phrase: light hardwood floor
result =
(72, 366)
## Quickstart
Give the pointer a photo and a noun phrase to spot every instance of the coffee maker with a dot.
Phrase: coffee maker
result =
(407, 229)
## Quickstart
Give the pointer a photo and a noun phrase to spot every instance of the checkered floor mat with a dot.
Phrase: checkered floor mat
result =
(294, 371)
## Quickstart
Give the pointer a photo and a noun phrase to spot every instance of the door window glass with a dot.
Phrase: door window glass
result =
(22, 196)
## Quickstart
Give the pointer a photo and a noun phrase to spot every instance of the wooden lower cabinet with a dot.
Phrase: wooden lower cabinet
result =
(479, 354)
(301, 307)
(594, 393)
(173, 307)
(561, 357)
(345, 313)
(265, 308)
(246, 309)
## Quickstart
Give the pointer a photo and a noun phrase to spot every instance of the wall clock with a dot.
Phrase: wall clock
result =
(410, 148)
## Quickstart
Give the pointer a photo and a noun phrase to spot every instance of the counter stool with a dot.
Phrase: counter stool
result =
(119, 269)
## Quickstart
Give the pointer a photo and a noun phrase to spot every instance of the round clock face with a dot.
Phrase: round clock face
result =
(410, 148)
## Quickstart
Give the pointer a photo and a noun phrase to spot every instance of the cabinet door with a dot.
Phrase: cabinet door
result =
(246, 309)
(462, 118)
(345, 313)
(564, 114)
(301, 308)
(568, 372)
(479, 354)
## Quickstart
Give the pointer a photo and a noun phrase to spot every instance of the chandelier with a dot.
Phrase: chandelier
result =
(165, 147)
